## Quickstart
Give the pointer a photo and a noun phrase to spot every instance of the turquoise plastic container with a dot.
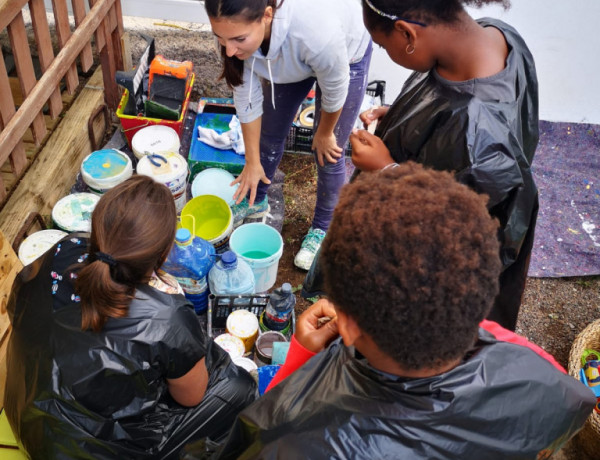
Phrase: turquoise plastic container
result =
(261, 246)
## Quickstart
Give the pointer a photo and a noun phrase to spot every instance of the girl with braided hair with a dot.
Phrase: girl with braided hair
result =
(470, 107)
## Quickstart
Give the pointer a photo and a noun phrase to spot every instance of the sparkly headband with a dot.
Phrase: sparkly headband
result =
(391, 16)
(106, 258)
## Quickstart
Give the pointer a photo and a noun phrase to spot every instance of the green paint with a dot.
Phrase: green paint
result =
(256, 254)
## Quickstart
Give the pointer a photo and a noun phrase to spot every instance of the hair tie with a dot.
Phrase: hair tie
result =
(106, 258)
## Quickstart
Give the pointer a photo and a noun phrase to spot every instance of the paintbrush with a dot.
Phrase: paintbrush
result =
(323, 320)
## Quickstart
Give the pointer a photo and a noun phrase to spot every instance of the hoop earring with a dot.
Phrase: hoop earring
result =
(409, 50)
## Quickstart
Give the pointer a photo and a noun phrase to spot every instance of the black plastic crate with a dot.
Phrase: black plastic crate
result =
(219, 308)
(300, 139)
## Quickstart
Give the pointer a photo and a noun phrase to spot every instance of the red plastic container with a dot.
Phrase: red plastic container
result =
(132, 124)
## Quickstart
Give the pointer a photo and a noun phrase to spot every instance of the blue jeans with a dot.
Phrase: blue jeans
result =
(276, 125)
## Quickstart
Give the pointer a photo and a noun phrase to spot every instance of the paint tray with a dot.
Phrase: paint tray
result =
(202, 156)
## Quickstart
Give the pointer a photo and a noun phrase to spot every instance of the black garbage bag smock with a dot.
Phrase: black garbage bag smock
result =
(502, 402)
(81, 394)
(484, 130)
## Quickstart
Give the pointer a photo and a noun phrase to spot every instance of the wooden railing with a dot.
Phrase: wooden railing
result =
(103, 22)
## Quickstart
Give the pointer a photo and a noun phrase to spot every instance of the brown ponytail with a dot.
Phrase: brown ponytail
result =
(246, 10)
(133, 229)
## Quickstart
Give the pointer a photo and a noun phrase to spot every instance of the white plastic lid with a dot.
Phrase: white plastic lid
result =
(214, 181)
(246, 364)
(155, 139)
(163, 167)
(73, 213)
(106, 168)
(38, 243)
(242, 323)
(231, 344)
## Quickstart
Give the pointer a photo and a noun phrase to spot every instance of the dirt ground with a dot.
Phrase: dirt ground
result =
(553, 311)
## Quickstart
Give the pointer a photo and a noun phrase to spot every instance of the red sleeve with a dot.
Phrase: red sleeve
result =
(504, 335)
(297, 355)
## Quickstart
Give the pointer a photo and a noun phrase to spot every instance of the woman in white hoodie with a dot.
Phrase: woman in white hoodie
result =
(273, 53)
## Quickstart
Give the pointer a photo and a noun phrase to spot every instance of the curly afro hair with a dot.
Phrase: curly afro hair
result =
(413, 257)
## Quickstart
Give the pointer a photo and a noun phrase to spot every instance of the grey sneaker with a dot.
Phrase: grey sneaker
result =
(242, 212)
(310, 247)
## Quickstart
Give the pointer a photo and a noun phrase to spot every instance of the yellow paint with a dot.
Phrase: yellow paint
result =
(106, 165)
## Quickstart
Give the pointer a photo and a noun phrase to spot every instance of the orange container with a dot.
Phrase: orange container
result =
(176, 69)
(132, 124)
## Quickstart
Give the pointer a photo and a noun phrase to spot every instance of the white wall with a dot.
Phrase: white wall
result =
(564, 37)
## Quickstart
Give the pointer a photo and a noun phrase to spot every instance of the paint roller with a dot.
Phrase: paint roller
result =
(132, 80)
(168, 83)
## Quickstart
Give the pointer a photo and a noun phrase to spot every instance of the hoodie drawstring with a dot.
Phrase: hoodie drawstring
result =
(272, 84)
(250, 88)
(252, 78)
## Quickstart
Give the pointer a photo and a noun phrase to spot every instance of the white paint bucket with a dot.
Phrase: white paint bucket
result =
(261, 246)
(38, 243)
(73, 213)
(170, 169)
(156, 139)
(104, 169)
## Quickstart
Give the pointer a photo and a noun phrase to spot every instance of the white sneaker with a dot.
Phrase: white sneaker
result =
(310, 246)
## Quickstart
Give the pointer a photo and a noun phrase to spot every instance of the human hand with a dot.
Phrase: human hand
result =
(373, 114)
(248, 179)
(310, 333)
(369, 153)
(327, 148)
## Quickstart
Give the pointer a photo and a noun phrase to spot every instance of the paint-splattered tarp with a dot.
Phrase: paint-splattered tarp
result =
(567, 172)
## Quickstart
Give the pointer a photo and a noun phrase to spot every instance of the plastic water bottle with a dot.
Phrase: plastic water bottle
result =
(231, 276)
(279, 309)
(189, 262)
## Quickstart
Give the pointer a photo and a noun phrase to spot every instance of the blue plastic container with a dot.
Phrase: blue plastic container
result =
(189, 262)
(231, 276)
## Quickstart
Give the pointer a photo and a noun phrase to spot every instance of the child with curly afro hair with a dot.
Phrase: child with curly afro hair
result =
(419, 275)
(405, 365)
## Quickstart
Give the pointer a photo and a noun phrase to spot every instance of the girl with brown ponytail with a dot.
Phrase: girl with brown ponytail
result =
(107, 360)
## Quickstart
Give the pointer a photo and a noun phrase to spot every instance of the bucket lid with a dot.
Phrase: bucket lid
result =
(106, 168)
(231, 344)
(155, 139)
(246, 364)
(215, 181)
(163, 167)
(38, 243)
(73, 213)
(242, 323)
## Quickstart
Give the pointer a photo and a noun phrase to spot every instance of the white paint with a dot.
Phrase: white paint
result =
(587, 226)
(563, 39)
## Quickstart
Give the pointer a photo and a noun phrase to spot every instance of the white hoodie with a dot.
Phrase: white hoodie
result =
(309, 38)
